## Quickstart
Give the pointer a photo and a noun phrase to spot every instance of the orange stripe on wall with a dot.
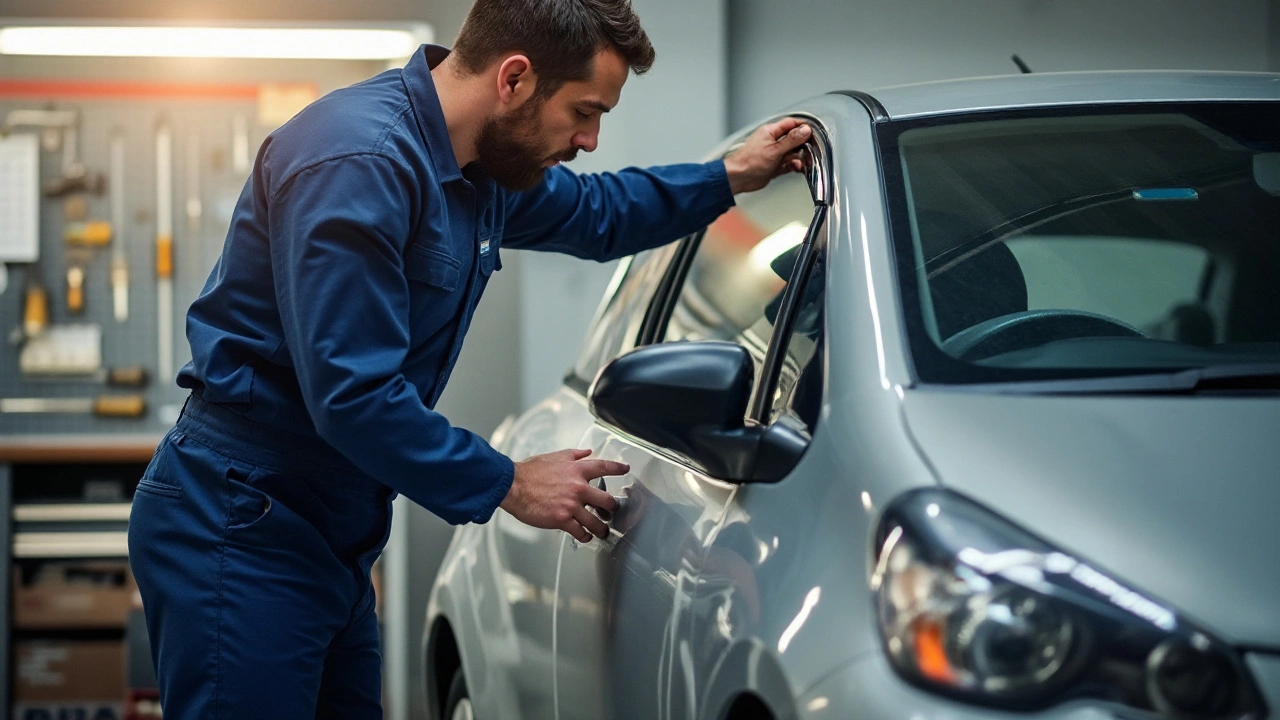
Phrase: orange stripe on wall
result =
(130, 90)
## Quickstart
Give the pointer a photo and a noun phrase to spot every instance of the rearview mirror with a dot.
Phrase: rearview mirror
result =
(691, 398)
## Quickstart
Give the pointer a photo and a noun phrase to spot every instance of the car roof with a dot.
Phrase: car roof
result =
(1064, 89)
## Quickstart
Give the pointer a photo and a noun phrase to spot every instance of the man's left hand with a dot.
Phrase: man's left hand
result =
(770, 151)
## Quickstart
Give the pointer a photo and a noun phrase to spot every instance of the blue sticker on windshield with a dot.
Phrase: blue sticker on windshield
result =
(1166, 194)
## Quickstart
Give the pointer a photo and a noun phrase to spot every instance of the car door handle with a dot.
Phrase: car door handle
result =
(605, 515)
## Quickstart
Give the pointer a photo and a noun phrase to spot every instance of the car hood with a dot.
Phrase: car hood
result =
(1178, 496)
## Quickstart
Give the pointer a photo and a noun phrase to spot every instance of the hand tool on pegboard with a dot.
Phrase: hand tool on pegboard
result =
(75, 286)
(195, 208)
(164, 250)
(119, 262)
(35, 306)
(81, 238)
(76, 177)
(129, 376)
(121, 406)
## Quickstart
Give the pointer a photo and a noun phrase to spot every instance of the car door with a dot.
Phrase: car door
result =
(623, 604)
(525, 559)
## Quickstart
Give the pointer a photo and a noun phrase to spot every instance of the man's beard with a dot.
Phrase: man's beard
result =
(509, 149)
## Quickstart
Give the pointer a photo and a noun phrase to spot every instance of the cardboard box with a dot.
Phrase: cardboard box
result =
(73, 594)
(68, 680)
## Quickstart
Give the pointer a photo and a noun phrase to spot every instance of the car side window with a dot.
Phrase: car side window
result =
(620, 316)
(737, 276)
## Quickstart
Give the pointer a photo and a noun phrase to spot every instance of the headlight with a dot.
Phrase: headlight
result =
(978, 609)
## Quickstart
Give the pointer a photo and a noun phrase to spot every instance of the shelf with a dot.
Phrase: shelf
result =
(71, 512)
(133, 447)
(70, 544)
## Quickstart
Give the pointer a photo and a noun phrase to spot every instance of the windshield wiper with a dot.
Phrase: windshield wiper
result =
(1246, 377)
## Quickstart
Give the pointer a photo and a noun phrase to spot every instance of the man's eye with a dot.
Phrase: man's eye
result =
(584, 115)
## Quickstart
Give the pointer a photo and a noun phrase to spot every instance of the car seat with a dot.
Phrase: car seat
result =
(985, 285)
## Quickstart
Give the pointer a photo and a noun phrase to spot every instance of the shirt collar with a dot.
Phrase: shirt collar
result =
(426, 107)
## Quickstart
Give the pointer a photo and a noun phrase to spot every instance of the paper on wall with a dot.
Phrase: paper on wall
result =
(19, 198)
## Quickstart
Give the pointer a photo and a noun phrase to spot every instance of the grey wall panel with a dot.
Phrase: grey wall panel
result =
(676, 113)
(1273, 35)
(779, 55)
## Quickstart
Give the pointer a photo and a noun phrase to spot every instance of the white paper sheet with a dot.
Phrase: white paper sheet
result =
(19, 198)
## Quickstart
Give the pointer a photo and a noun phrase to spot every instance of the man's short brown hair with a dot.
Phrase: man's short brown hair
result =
(560, 37)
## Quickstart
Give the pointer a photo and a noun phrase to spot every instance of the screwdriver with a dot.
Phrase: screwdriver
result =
(35, 312)
(121, 406)
(75, 289)
(130, 376)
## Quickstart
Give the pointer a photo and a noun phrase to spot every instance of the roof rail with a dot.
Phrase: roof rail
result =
(873, 106)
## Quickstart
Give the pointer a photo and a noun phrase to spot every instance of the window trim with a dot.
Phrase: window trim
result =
(819, 178)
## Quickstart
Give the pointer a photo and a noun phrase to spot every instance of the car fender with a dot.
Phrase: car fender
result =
(464, 595)
(748, 666)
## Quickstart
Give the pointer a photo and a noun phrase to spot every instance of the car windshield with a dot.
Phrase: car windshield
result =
(1106, 241)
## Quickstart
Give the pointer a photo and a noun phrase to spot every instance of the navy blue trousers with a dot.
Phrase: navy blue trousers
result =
(253, 562)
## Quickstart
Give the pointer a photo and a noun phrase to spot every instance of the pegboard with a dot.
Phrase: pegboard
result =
(211, 126)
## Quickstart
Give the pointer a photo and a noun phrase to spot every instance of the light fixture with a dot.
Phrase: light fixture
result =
(259, 41)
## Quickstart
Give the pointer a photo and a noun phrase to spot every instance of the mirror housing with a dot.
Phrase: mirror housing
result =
(691, 398)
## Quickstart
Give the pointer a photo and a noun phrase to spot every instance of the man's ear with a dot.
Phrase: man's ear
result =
(516, 80)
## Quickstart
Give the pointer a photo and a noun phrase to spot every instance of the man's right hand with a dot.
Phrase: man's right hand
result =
(552, 491)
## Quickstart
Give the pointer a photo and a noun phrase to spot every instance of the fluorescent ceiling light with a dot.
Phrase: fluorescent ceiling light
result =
(320, 43)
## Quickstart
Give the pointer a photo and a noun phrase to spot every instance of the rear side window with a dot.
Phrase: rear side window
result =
(618, 321)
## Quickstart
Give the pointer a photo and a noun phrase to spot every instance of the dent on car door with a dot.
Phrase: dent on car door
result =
(623, 619)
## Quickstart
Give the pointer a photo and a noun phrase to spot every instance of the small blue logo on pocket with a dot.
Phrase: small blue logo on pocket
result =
(484, 246)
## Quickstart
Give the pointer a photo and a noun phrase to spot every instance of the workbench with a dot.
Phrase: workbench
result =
(66, 500)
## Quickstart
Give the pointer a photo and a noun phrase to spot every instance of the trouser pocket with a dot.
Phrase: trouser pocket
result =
(248, 505)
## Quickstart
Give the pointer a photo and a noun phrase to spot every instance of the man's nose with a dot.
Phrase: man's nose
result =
(586, 141)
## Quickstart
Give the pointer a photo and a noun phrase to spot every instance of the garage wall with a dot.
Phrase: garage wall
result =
(672, 114)
(779, 55)
(1274, 36)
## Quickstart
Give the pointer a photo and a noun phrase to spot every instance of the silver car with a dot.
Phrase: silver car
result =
(977, 418)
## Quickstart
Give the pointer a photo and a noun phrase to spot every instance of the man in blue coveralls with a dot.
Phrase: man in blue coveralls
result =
(358, 250)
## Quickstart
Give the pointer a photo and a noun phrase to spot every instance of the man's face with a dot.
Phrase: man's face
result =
(517, 147)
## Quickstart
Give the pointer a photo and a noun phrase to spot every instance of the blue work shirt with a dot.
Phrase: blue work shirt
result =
(353, 265)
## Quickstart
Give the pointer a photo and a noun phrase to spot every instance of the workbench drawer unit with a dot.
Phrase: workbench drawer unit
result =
(70, 592)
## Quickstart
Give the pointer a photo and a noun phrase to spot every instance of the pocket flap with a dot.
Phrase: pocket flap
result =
(431, 266)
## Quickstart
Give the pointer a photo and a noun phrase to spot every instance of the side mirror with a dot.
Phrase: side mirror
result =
(691, 398)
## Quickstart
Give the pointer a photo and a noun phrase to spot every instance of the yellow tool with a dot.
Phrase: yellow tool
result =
(121, 406)
(75, 289)
(164, 250)
(35, 312)
(94, 233)
(119, 265)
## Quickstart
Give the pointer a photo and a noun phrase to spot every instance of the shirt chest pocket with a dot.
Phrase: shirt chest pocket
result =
(437, 286)
(434, 268)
